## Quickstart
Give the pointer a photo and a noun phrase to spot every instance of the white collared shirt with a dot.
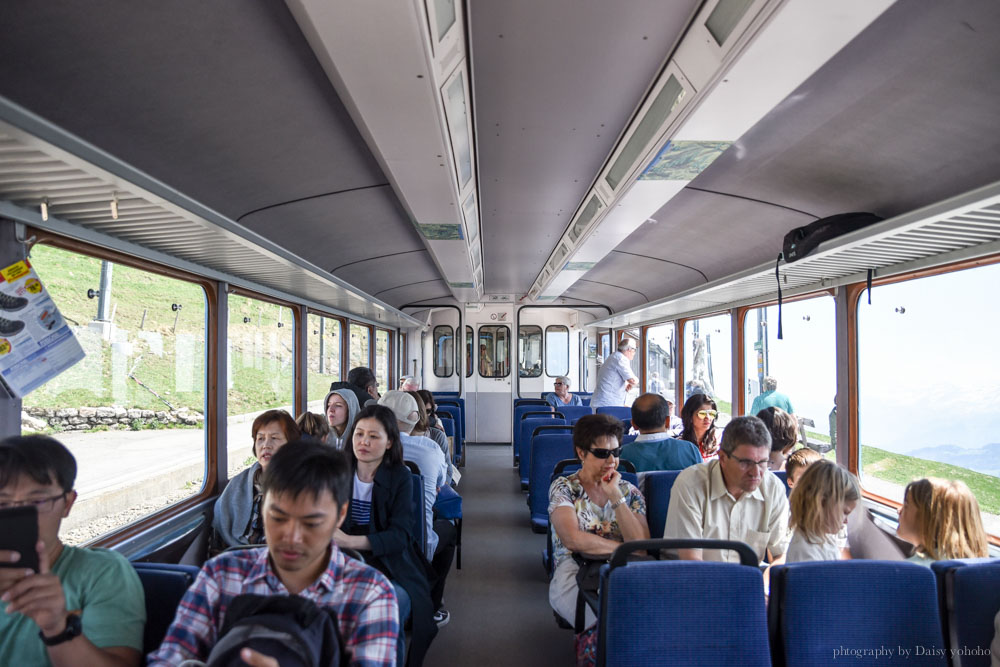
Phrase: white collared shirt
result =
(610, 389)
(702, 507)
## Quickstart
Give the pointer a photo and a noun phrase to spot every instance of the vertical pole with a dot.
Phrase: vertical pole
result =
(844, 380)
(322, 344)
(300, 317)
(218, 390)
(104, 298)
(11, 251)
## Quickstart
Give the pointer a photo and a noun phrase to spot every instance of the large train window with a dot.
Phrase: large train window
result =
(797, 372)
(708, 361)
(325, 335)
(929, 384)
(529, 351)
(494, 351)
(556, 351)
(136, 400)
(470, 339)
(261, 340)
(605, 350)
(360, 349)
(444, 351)
(660, 360)
(383, 355)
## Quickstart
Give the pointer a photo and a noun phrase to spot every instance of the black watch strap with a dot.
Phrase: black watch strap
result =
(74, 628)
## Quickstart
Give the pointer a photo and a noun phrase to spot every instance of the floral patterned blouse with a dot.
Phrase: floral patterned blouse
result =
(592, 518)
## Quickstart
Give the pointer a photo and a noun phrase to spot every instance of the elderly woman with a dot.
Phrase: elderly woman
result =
(561, 395)
(237, 517)
(591, 511)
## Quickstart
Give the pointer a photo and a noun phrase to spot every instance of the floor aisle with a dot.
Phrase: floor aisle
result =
(498, 601)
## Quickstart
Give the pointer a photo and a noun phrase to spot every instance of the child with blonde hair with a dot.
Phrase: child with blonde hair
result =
(797, 464)
(819, 505)
(941, 519)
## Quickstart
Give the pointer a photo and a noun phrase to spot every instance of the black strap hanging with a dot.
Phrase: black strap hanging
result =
(871, 272)
(777, 277)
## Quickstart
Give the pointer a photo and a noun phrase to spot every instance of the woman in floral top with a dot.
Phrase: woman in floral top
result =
(591, 511)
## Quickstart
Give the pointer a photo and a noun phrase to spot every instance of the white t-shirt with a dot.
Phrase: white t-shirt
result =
(361, 502)
(801, 549)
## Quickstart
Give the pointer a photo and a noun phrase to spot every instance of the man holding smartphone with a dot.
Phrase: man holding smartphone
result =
(81, 606)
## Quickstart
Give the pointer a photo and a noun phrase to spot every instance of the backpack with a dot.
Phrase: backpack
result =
(288, 628)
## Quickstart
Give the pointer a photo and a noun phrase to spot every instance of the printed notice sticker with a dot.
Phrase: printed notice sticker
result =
(36, 344)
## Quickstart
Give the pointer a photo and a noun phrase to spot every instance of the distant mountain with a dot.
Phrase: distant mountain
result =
(984, 459)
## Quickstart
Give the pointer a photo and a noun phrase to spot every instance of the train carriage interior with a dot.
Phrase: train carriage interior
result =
(234, 203)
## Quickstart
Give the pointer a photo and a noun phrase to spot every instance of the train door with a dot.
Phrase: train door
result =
(441, 350)
(544, 351)
(488, 362)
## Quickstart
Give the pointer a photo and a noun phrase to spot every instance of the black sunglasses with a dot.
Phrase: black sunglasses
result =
(605, 453)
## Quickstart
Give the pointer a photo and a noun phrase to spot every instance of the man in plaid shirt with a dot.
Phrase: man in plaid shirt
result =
(306, 492)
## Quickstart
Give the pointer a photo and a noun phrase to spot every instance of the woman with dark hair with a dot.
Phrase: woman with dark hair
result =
(431, 406)
(423, 427)
(237, 518)
(380, 520)
(591, 511)
(784, 430)
(698, 417)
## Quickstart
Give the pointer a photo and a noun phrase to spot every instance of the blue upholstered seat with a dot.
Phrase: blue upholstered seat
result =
(969, 597)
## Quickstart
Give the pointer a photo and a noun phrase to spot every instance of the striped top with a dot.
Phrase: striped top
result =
(361, 502)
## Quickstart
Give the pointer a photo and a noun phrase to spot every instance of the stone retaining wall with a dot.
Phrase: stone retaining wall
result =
(115, 418)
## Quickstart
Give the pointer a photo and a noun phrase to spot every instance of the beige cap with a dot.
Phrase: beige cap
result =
(402, 405)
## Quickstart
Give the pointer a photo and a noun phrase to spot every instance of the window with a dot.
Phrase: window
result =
(708, 365)
(928, 384)
(144, 337)
(660, 360)
(261, 346)
(470, 339)
(803, 364)
(529, 351)
(382, 358)
(494, 351)
(325, 336)
(556, 351)
(360, 346)
(444, 351)
(605, 347)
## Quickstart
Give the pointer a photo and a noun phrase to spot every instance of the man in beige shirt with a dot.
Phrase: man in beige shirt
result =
(733, 498)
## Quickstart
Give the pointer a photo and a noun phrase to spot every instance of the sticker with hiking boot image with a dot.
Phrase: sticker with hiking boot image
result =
(36, 344)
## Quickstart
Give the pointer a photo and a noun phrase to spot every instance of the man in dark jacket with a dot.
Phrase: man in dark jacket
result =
(362, 382)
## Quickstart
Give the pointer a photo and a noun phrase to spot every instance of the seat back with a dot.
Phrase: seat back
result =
(822, 610)
(573, 412)
(419, 508)
(619, 411)
(546, 451)
(783, 476)
(456, 402)
(456, 414)
(164, 584)
(449, 430)
(655, 611)
(529, 401)
(527, 427)
(658, 485)
(969, 594)
(519, 412)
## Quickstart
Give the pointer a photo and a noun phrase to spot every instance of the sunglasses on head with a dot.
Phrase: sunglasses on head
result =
(605, 453)
(701, 414)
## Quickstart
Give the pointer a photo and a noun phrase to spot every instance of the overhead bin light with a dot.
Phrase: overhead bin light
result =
(646, 132)
(557, 257)
(725, 17)
(587, 215)
(456, 109)
(471, 214)
(444, 17)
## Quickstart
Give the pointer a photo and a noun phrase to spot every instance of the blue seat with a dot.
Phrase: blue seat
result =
(658, 485)
(448, 424)
(573, 412)
(456, 414)
(619, 411)
(164, 584)
(519, 412)
(653, 612)
(419, 505)
(546, 451)
(969, 600)
(457, 402)
(783, 476)
(528, 427)
(819, 610)
(529, 401)
(628, 438)
(448, 506)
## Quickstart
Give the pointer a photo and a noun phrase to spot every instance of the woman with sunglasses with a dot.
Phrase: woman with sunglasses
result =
(591, 511)
(561, 395)
(698, 416)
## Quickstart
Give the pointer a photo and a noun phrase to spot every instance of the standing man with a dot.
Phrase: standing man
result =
(771, 398)
(615, 377)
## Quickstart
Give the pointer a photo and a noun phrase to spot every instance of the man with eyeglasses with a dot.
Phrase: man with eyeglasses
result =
(83, 606)
(615, 378)
(732, 498)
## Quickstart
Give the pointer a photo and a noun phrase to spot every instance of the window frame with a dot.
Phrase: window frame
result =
(436, 356)
(371, 346)
(545, 347)
(496, 327)
(541, 349)
(390, 349)
(470, 346)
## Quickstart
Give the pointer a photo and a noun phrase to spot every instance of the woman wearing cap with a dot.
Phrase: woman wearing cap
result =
(341, 409)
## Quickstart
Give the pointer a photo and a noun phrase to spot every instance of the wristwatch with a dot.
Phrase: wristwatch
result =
(74, 628)
(621, 501)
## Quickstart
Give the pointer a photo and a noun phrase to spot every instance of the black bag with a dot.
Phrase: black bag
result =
(288, 628)
(803, 240)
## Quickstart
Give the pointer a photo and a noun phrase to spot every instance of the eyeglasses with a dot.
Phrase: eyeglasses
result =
(43, 504)
(559, 383)
(747, 464)
(702, 414)
(605, 453)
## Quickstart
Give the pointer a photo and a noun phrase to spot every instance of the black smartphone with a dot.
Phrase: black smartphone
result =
(19, 532)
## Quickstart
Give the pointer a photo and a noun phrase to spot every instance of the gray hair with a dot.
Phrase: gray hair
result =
(770, 384)
(747, 430)
(625, 343)
(565, 380)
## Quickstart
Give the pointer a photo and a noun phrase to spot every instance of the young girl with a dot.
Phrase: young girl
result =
(941, 518)
(797, 463)
(820, 503)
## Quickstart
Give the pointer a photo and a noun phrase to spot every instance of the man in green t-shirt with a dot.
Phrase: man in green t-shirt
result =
(83, 606)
